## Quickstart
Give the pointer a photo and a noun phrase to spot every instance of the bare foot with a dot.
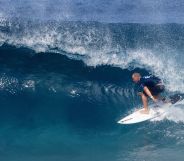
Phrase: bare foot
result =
(144, 111)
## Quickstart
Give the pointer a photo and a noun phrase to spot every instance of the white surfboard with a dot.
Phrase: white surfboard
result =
(137, 116)
(154, 112)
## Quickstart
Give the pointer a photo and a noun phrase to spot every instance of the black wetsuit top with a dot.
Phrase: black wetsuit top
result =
(153, 83)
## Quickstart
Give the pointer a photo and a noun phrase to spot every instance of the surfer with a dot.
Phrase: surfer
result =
(148, 86)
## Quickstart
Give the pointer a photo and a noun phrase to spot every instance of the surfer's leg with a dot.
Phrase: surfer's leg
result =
(145, 103)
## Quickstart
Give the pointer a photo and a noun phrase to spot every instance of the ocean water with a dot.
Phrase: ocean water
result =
(65, 84)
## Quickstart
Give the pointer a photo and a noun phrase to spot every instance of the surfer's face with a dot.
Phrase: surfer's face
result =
(135, 79)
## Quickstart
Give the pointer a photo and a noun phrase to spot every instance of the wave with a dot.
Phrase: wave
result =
(57, 97)
(156, 48)
(65, 83)
(24, 71)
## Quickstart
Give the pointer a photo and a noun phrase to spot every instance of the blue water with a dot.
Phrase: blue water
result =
(65, 80)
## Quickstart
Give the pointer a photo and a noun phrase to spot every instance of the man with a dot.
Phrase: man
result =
(149, 86)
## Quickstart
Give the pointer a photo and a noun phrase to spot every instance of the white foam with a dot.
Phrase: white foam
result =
(173, 113)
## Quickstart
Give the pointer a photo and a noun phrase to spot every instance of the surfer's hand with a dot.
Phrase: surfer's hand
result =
(154, 100)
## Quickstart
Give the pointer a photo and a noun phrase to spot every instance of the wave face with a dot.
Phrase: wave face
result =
(64, 85)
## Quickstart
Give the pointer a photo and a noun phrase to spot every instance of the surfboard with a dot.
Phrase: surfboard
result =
(154, 111)
(137, 116)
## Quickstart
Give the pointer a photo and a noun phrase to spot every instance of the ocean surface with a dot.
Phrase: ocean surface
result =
(65, 84)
